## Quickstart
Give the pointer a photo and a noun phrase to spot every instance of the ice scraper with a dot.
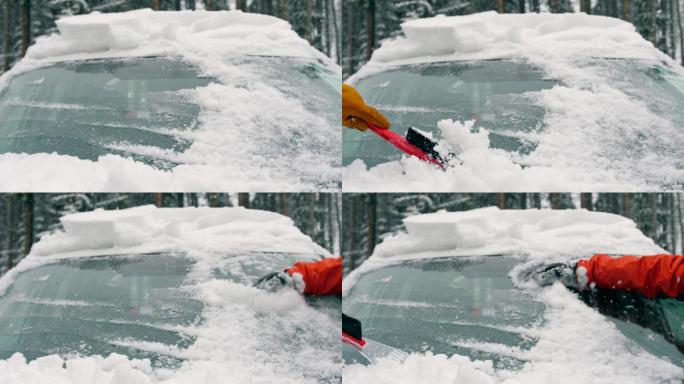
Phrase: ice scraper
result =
(371, 350)
(414, 144)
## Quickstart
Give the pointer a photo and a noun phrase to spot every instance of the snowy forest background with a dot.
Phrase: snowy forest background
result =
(365, 23)
(24, 20)
(26, 216)
(368, 218)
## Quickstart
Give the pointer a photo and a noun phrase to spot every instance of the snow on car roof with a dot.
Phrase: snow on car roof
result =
(540, 234)
(145, 32)
(149, 229)
(490, 35)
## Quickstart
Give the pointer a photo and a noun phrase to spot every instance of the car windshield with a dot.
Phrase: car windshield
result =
(500, 96)
(137, 107)
(87, 306)
(461, 306)
(137, 305)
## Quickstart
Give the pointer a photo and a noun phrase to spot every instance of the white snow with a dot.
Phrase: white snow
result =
(574, 344)
(482, 169)
(490, 35)
(602, 130)
(247, 335)
(248, 137)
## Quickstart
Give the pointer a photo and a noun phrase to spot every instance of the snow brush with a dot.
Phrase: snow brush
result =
(414, 144)
(371, 350)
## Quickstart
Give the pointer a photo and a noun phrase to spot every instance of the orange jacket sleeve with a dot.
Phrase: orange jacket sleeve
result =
(649, 275)
(322, 277)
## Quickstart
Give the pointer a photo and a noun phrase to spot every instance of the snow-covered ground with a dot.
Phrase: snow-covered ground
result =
(248, 137)
(603, 130)
(574, 344)
(239, 339)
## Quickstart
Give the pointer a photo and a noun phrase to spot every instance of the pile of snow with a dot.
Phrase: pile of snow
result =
(147, 229)
(481, 168)
(538, 234)
(490, 35)
(576, 344)
(145, 32)
(601, 131)
(245, 333)
(247, 137)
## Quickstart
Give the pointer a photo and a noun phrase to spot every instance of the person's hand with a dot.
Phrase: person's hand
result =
(275, 281)
(549, 274)
(356, 113)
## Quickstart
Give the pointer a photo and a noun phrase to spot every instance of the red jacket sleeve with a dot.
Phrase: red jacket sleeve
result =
(322, 277)
(649, 275)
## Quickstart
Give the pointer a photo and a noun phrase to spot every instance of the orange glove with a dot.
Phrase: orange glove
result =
(318, 277)
(649, 275)
(355, 111)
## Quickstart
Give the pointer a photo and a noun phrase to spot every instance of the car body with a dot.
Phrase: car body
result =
(520, 87)
(183, 309)
(475, 303)
(199, 100)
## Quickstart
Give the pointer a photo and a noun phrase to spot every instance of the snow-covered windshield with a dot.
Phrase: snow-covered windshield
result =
(494, 93)
(91, 108)
(196, 314)
(93, 306)
(256, 120)
(449, 305)
(611, 116)
(470, 307)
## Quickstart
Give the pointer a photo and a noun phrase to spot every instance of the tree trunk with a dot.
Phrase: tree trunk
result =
(370, 29)
(326, 27)
(177, 5)
(555, 6)
(309, 21)
(586, 201)
(6, 34)
(670, 198)
(535, 6)
(243, 199)
(190, 4)
(654, 217)
(25, 26)
(654, 31)
(501, 199)
(351, 227)
(9, 231)
(213, 200)
(626, 10)
(500, 6)
(159, 200)
(282, 10)
(155, 5)
(585, 6)
(350, 37)
(239, 5)
(680, 27)
(626, 207)
(336, 31)
(681, 222)
(28, 223)
(312, 215)
(371, 214)
(555, 201)
(521, 6)
(284, 204)
(180, 200)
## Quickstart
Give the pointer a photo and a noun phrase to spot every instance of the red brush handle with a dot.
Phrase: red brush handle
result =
(351, 340)
(403, 144)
